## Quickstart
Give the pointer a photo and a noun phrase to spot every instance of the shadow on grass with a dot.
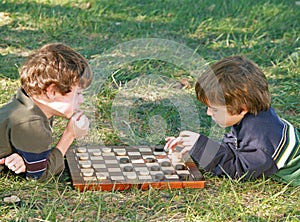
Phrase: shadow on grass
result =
(256, 29)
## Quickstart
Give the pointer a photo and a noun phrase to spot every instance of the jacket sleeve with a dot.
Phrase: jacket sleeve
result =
(246, 161)
(32, 140)
(55, 164)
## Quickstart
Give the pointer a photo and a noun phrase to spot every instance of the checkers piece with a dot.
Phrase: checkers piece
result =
(81, 149)
(150, 159)
(120, 152)
(87, 172)
(175, 157)
(154, 168)
(168, 172)
(180, 167)
(124, 160)
(159, 176)
(183, 176)
(85, 163)
(101, 176)
(165, 163)
(96, 153)
(106, 150)
(127, 168)
(83, 156)
(158, 148)
(131, 176)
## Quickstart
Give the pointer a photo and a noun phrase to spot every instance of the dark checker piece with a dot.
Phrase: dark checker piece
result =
(165, 164)
(168, 172)
(159, 176)
(180, 167)
(158, 148)
(128, 168)
(154, 168)
(183, 176)
(150, 160)
(124, 160)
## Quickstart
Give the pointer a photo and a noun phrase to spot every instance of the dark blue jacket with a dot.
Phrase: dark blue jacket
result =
(246, 151)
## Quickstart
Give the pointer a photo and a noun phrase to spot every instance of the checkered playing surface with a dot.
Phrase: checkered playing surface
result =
(120, 168)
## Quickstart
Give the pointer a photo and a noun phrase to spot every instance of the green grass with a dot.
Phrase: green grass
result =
(265, 31)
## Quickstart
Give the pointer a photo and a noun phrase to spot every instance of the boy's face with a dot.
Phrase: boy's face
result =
(220, 115)
(68, 104)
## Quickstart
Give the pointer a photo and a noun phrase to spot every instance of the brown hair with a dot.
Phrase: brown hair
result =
(235, 82)
(55, 64)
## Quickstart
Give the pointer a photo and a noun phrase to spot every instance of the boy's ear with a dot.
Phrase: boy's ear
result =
(244, 109)
(51, 92)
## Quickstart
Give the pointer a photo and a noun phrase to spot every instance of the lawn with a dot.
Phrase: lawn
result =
(145, 56)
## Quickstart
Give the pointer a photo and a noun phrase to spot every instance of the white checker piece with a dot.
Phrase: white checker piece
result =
(85, 163)
(101, 174)
(87, 172)
(90, 179)
(117, 178)
(131, 174)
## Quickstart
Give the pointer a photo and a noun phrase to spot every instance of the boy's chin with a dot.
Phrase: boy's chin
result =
(221, 125)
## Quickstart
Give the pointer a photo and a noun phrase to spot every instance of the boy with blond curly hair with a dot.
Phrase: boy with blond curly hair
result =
(52, 81)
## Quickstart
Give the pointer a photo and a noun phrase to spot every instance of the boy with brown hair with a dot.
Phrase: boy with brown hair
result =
(52, 81)
(236, 93)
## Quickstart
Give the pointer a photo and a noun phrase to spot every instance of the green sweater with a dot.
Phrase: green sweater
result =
(25, 129)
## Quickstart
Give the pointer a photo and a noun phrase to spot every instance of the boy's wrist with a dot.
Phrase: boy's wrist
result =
(65, 141)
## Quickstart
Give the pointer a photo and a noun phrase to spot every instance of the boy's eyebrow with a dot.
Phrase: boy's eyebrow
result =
(218, 107)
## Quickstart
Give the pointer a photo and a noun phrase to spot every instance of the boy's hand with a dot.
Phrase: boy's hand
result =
(186, 139)
(80, 125)
(15, 163)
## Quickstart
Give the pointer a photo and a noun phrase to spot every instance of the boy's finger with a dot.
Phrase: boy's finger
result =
(182, 152)
(20, 170)
(175, 142)
(169, 138)
(2, 160)
(185, 133)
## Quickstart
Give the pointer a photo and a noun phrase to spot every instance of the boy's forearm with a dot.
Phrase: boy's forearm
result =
(65, 142)
(55, 164)
(204, 151)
